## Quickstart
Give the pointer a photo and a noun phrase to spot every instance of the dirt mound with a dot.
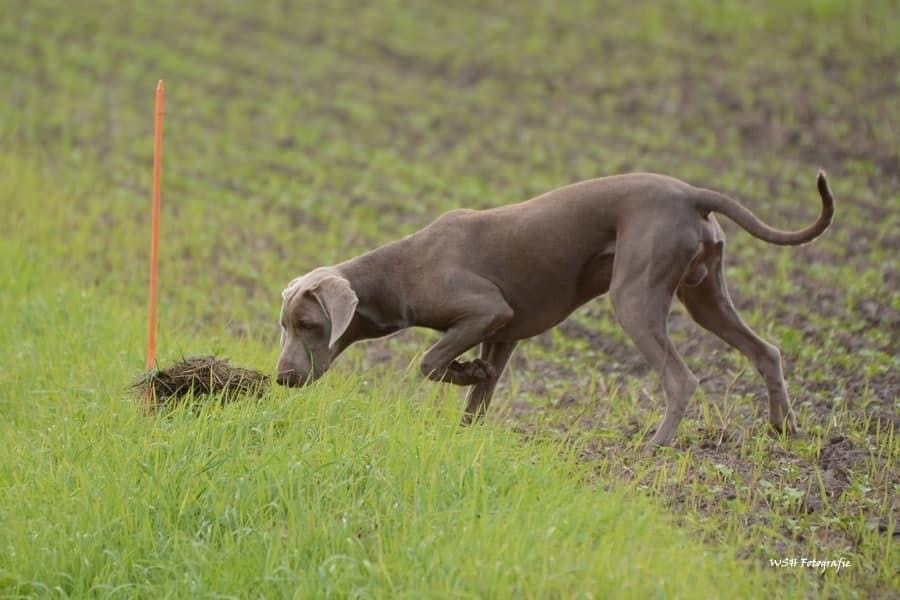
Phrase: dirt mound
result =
(200, 376)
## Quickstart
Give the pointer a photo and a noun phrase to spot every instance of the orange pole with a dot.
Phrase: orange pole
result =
(154, 226)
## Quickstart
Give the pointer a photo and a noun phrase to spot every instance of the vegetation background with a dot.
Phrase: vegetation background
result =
(299, 134)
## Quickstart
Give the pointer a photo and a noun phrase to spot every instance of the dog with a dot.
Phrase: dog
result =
(497, 276)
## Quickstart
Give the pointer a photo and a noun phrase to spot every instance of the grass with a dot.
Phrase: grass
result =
(299, 136)
(351, 488)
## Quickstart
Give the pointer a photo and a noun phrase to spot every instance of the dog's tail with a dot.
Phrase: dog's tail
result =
(710, 200)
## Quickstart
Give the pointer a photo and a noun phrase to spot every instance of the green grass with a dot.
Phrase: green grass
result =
(351, 488)
(301, 135)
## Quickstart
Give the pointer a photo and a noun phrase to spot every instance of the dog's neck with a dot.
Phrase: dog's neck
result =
(382, 309)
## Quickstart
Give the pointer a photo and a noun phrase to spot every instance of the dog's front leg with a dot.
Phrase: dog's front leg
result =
(439, 363)
(479, 397)
(484, 317)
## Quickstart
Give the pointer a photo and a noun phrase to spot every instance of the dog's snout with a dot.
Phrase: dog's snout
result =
(290, 378)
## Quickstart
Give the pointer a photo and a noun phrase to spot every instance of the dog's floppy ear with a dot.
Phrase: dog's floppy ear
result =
(339, 301)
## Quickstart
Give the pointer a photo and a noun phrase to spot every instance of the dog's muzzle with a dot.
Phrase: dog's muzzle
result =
(292, 378)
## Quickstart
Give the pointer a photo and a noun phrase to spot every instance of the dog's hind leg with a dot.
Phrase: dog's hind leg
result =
(642, 289)
(709, 304)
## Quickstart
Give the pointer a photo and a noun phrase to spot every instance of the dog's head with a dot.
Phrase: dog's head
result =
(316, 310)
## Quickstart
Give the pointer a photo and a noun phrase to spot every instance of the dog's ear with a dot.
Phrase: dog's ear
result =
(339, 301)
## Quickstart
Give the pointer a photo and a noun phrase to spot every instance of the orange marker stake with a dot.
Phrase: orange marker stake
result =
(154, 228)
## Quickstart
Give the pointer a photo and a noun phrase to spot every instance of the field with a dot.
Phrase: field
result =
(299, 135)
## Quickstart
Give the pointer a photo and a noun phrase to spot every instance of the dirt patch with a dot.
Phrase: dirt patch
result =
(200, 376)
(838, 460)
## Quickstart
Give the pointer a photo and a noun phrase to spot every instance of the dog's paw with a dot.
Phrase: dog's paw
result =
(471, 372)
(786, 425)
(483, 370)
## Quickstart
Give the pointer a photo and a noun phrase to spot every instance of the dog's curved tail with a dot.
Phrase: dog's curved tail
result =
(711, 201)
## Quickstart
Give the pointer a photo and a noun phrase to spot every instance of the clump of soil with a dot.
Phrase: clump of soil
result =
(200, 376)
(837, 460)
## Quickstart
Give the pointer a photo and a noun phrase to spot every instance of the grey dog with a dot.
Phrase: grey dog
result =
(497, 276)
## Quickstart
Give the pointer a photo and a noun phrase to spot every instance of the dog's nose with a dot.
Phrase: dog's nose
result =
(289, 378)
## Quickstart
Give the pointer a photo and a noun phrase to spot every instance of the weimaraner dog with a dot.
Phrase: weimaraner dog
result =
(497, 276)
